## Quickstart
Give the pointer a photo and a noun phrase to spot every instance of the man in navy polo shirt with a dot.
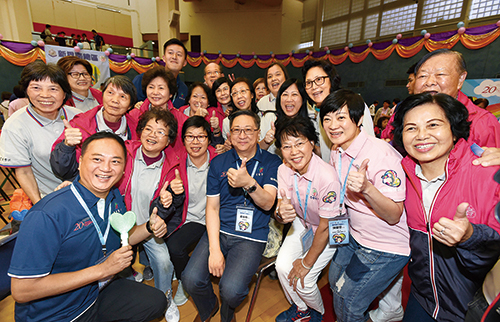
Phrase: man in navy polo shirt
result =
(66, 254)
(241, 191)
(174, 56)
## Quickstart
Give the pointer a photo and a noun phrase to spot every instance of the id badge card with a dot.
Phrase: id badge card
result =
(338, 231)
(306, 238)
(105, 281)
(244, 219)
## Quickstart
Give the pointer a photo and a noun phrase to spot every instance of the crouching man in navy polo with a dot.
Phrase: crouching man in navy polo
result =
(66, 254)
(241, 191)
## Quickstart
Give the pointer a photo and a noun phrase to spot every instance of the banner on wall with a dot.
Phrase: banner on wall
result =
(485, 88)
(98, 60)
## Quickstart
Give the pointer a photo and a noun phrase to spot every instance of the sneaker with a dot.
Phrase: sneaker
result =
(293, 314)
(378, 315)
(283, 316)
(148, 273)
(181, 297)
(172, 314)
(138, 276)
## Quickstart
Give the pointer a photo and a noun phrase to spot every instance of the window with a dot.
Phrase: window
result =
(373, 3)
(398, 20)
(484, 8)
(371, 25)
(355, 29)
(337, 8)
(438, 10)
(357, 5)
(334, 34)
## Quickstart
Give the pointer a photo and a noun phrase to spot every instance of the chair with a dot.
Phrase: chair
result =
(265, 263)
(9, 176)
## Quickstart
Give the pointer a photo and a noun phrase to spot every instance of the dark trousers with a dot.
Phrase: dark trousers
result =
(181, 242)
(126, 300)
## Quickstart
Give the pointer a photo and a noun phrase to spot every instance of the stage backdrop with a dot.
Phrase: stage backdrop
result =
(98, 60)
(485, 88)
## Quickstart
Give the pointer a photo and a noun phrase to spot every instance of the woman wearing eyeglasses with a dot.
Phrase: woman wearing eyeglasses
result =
(320, 80)
(79, 73)
(308, 189)
(276, 74)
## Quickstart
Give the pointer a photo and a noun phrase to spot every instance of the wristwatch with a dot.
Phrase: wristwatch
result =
(251, 188)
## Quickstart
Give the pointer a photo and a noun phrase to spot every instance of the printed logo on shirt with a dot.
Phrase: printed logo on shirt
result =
(390, 178)
(223, 174)
(82, 224)
(314, 195)
(260, 171)
(330, 197)
(471, 212)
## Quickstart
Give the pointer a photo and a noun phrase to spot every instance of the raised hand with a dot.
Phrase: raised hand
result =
(201, 112)
(456, 231)
(165, 196)
(157, 225)
(176, 184)
(214, 121)
(286, 210)
(356, 180)
(73, 135)
(269, 138)
(239, 178)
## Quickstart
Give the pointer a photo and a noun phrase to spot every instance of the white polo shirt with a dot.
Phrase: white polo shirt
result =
(27, 140)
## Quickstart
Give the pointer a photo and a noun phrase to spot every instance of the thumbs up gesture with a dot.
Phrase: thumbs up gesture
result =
(269, 138)
(156, 224)
(239, 178)
(176, 184)
(165, 196)
(214, 121)
(456, 231)
(356, 180)
(286, 210)
(201, 112)
(73, 135)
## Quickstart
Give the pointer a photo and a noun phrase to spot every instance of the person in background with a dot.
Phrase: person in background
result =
(98, 40)
(79, 72)
(63, 268)
(61, 38)
(454, 236)
(482, 103)
(4, 106)
(381, 125)
(28, 135)
(174, 56)
(118, 97)
(241, 192)
(220, 90)
(86, 42)
(395, 103)
(276, 74)
(260, 89)
(385, 110)
(46, 35)
(212, 72)
(20, 100)
(373, 108)
(299, 266)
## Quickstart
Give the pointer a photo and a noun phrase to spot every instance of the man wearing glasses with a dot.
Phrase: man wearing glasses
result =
(212, 72)
(241, 192)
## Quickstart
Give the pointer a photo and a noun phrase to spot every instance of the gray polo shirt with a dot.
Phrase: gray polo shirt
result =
(145, 181)
(83, 103)
(197, 181)
(27, 140)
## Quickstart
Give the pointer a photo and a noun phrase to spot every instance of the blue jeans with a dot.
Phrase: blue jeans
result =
(357, 276)
(159, 258)
(242, 261)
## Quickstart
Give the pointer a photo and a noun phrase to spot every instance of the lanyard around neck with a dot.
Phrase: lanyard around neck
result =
(102, 238)
(298, 195)
(344, 185)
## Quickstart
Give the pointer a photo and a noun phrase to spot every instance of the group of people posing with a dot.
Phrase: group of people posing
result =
(207, 167)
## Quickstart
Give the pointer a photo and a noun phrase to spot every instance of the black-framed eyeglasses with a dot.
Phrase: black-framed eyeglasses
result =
(200, 138)
(246, 131)
(76, 75)
(320, 80)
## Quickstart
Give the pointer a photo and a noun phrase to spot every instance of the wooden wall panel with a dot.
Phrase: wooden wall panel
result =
(42, 11)
(123, 25)
(105, 22)
(85, 19)
(64, 14)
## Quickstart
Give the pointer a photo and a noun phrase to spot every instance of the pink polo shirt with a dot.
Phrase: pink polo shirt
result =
(323, 196)
(386, 174)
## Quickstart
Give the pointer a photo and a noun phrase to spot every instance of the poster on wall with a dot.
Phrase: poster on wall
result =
(98, 60)
(485, 88)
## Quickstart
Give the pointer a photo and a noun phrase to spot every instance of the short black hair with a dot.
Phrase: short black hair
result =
(48, 26)
(387, 101)
(478, 101)
(461, 65)
(396, 100)
(205, 88)
(218, 82)
(126, 86)
(253, 105)
(456, 113)
(38, 70)
(411, 69)
(380, 120)
(286, 84)
(104, 135)
(337, 99)
(159, 115)
(160, 72)
(244, 112)
(329, 69)
(280, 65)
(174, 41)
(298, 126)
(197, 122)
